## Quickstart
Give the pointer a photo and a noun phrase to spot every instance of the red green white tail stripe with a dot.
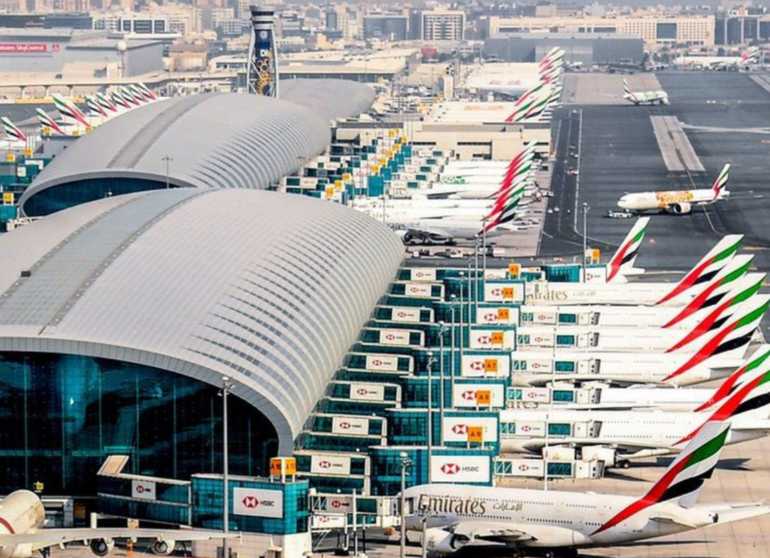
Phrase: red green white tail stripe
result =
(746, 287)
(749, 395)
(685, 476)
(734, 335)
(12, 131)
(625, 256)
(47, 122)
(708, 267)
(737, 378)
(68, 110)
(105, 103)
(720, 184)
(719, 287)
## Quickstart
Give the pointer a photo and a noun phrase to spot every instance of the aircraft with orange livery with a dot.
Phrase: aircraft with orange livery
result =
(678, 202)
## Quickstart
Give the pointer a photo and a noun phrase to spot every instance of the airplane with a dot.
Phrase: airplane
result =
(678, 202)
(618, 436)
(597, 396)
(639, 293)
(747, 58)
(644, 97)
(743, 319)
(523, 521)
(70, 113)
(549, 70)
(704, 310)
(22, 532)
(51, 127)
(621, 265)
(15, 139)
(718, 354)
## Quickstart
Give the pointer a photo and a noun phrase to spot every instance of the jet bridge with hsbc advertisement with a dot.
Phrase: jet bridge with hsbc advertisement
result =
(428, 335)
(272, 514)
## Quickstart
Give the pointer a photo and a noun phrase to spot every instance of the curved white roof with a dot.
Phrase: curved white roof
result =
(214, 141)
(269, 289)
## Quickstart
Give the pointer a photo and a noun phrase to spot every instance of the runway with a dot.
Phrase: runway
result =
(619, 154)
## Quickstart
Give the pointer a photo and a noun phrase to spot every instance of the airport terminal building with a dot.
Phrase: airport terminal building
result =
(119, 318)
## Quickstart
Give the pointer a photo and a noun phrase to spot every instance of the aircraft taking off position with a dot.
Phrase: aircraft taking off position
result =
(644, 97)
(22, 534)
(678, 202)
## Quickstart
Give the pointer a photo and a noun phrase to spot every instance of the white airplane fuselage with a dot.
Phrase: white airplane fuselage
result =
(639, 434)
(647, 98)
(550, 518)
(541, 367)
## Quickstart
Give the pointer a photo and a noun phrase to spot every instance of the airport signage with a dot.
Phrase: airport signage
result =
(456, 429)
(485, 366)
(394, 337)
(367, 392)
(258, 502)
(339, 504)
(534, 468)
(596, 275)
(497, 315)
(328, 521)
(418, 290)
(537, 365)
(460, 468)
(423, 274)
(27, 48)
(330, 464)
(143, 490)
(404, 314)
(533, 428)
(536, 338)
(350, 426)
(503, 292)
(472, 396)
(382, 362)
(490, 339)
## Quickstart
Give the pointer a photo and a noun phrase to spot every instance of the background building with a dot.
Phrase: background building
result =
(685, 30)
(585, 48)
(443, 25)
(388, 27)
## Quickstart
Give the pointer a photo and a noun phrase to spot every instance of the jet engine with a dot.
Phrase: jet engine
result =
(163, 547)
(101, 547)
(440, 541)
(682, 208)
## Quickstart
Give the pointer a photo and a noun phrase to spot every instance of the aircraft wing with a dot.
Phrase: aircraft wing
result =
(45, 538)
(505, 533)
(538, 444)
(727, 513)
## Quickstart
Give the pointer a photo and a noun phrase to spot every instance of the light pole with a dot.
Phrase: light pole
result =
(452, 366)
(431, 361)
(460, 343)
(484, 258)
(405, 462)
(442, 385)
(166, 159)
(586, 207)
(227, 385)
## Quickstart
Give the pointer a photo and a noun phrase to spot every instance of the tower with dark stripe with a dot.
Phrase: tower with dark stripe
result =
(262, 70)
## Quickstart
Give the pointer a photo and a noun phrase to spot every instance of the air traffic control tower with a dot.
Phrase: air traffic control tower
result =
(262, 72)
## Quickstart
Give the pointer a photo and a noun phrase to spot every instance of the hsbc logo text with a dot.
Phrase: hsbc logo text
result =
(454, 468)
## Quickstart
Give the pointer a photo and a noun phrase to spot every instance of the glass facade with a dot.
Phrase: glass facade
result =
(58, 198)
(63, 415)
